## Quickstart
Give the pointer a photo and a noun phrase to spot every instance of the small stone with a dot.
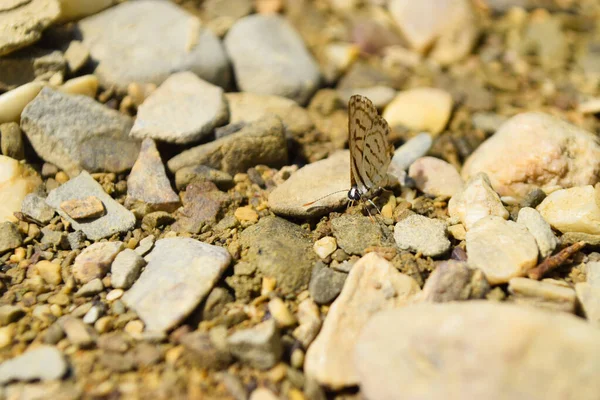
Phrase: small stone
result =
(187, 175)
(259, 346)
(77, 55)
(14, 101)
(11, 139)
(422, 235)
(114, 294)
(458, 231)
(145, 245)
(54, 238)
(540, 229)
(90, 288)
(49, 271)
(572, 210)
(34, 206)
(246, 214)
(10, 238)
(126, 269)
(420, 109)
(409, 152)
(93, 314)
(325, 284)
(94, 262)
(60, 299)
(89, 207)
(204, 352)
(53, 334)
(7, 334)
(487, 122)
(281, 313)
(134, 328)
(435, 177)
(355, 233)
(202, 203)
(309, 319)
(160, 219)
(542, 294)
(263, 394)
(16, 181)
(215, 303)
(325, 246)
(86, 85)
(77, 332)
(501, 249)
(44, 362)
(476, 201)
(454, 281)
(76, 240)
(10, 314)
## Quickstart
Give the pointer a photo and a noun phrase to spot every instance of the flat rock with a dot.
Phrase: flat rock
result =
(289, 198)
(34, 206)
(90, 207)
(146, 41)
(409, 152)
(501, 249)
(453, 280)
(435, 177)
(179, 274)
(75, 132)
(202, 203)
(373, 285)
(260, 142)
(354, 233)
(572, 210)
(539, 228)
(126, 268)
(14, 101)
(282, 250)
(420, 234)
(259, 346)
(16, 181)
(94, 261)
(11, 139)
(171, 113)
(542, 294)
(534, 150)
(325, 284)
(10, 237)
(43, 362)
(117, 218)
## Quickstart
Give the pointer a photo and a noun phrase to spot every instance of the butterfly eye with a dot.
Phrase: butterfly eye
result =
(354, 194)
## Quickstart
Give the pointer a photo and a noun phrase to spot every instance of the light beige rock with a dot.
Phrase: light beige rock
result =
(478, 350)
(572, 210)
(501, 249)
(94, 262)
(49, 271)
(325, 246)
(14, 101)
(420, 109)
(75, 9)
(435, 177)
(16, 182)
(542, 294)
(309, 318)
(281, 313)
(536, 150)
(477, 200)
(372, 285)
(86, 85)
(539, 228)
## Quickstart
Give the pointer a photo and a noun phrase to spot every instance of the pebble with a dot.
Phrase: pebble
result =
(171, 113)
(16, 181)
(409, 152)
(145, 245)
(354, 233)
(270, 57)
(259, 346)
(216, 301)
(260, 142)
(14, 101)
(420, 109)
(289, 198)
(76, 240)
(114, 294)
(78, 333)
(90, 288)
(187, 175)
(206, 350)
(397, 348)
(424, 235)
(262, 394)
(86, 85)
(488, 122)
(117, 218)
(34, 206)
(42, 362)
(534, 150)
(166, 40)
(572, 210)
(325, 246)
(10, 238)
(76, 55)
(11, 139)
(435, 177)
(93, 314)
(95, 260)
(281, 313)
(477, 200)
(542, 294)
(373, 285)
(540, 229)
(179, 275)
(202, 202)
(71, 10)
(89, 207)
(126, 268)
(501, 249)
(49, 271)
(246, 214)
(10, 313)
(7, 334)
(76, 132)
(325, 284)
(454, 281)
(309, 319)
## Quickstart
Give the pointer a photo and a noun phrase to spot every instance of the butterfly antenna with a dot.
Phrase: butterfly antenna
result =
(321, 198)
(381, 226)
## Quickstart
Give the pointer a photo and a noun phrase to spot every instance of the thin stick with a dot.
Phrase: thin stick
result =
(321, 198)
(554, 261)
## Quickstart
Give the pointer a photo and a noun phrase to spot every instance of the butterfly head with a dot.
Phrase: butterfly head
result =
(354, 193)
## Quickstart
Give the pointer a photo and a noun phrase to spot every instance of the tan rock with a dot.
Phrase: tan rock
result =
(246, 214)
(16, 182)
(542, 294)
(49, 271)
(86, 85)
(572, 210)
(14, 101)
(94, 262)
(435, 177)
(75, 9)
(90, 207)
(325, 246)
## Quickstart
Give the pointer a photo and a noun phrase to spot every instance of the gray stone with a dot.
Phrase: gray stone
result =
(90, 288)
(282, 250)
(215, 302)
(354, 233)
(34, 206)
(145, 245)
(204, 351)
(261, 142)
(126, 268)
(408, 153)
(10, 238)
(179, 274)
(116, 220)
(146, 41)
(420, 234)
(454, 281)
(269, 57)
(75, 132)
(325, 284)
(43, 362)
(11, 139)
(76, 240)
(539, 228)
(187, 175)
(54, 238)
(259, 346)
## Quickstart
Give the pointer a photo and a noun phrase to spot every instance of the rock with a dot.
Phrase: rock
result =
(542, 294)
(261, 142)
(75, 132)
(501, 249)
(78, 333)
(288, 259)
(540, 229)
(424, 235)
(420, 109)
(161, 38)
(588, 294)
(409, 152)
(533, 198)
(16, 181)
(373, 285)
(325, 246)
(202, 202)
(395, 343)
(187, 175)
(435, 177)
(269, 57)
(380, 96)
(476, 201)
(215, 302)
(262, 393)
(145, 245)
(204, 351)
(126, 268)
(157, 219)
(328, 193)
(281, 313)
(488, 122)
(10, 314)
(53, 238)
(14, 101)
(449, 29)
(86, 85)
(76, 55)
(34, 206)
(10, 238)
(179, 274)
(454, 281)
(246, 214)
(171, 113)
(43, 362)
(95, 260)
(49, 271)
(117, 218)
(90, 288)
(259, 346)
(354, 233)
(309, 319)
(76, 240)
(534, 150)
(148, 184)
(23, 23)
(572, 210)
(71, 10)
(89, 207)
(325, 284)
(11, 139)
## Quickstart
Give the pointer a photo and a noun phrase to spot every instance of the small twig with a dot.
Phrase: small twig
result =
(554, 261)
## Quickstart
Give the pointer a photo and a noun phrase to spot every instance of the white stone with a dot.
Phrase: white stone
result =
(325, 246)
(420, 234)
(435, 177)
(126, 268)
(86, 85)
(16, 182)
(572, 210)
(42, 362)
(14, 101)
(540, 229)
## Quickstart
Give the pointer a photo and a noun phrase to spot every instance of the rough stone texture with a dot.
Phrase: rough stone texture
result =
(204, 351)
(372, 285)
(423, 235)
(542, 294)
(572, 210)
(325, 284)
(289, 198)
(435, 177)
(501, 249)
(89, 207)
(540, 229)
(476, 201)
(117, 218)
(34, 206)
(261, 142)
(309, 320)
(126, 268)
(259, 346)
(43, 362)
(454, 281)
(75, 132)
(148, 183)
(146, 41)
(479, 349)
(16, 182)
(179, 274)
(187, 175)
(94, 261)
(282, 250)
(354, 233)
(10, 238)
(269, 57)
(183, 109)
(11, 139)
(202, 203)
(536, 150)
